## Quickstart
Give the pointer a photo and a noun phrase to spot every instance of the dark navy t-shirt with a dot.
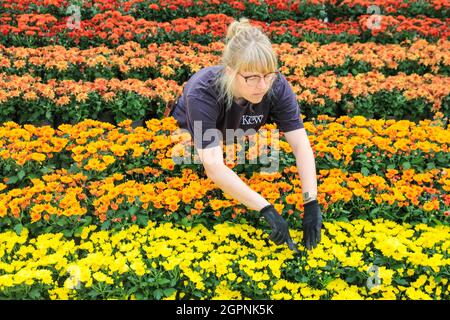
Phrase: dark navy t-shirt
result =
(199, 110)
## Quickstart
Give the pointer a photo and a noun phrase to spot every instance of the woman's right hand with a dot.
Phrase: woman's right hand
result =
(280, 230)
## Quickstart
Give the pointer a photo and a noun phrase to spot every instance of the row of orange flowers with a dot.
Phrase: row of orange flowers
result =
(119, 199)
(166, 58)
(314, 90)
(113, 27)
(101, 149)
(61, 92)
(310, 90)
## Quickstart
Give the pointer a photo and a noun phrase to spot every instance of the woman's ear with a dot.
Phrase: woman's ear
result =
(228, 71)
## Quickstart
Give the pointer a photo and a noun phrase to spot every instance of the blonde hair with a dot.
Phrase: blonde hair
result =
(247, 49)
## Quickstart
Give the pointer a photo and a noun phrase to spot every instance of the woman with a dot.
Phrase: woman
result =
(241, 94)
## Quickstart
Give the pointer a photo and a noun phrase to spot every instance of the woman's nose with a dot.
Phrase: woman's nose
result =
(263, 82)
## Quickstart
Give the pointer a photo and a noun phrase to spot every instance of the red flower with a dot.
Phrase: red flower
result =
(238, 5)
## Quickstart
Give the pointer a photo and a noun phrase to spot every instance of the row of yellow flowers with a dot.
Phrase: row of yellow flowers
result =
(358, 260)
(165, 59)
(346, 142)
(119, 200)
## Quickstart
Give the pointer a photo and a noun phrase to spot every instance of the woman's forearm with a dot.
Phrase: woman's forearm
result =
(227, 180)
(306, 166)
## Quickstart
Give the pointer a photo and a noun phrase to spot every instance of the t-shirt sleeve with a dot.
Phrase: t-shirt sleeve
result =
(202, 113)
(286, 110)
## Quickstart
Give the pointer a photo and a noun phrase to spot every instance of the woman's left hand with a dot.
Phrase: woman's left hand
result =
(312, 224)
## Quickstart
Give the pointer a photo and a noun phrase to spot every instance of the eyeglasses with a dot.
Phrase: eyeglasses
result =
(254, 80)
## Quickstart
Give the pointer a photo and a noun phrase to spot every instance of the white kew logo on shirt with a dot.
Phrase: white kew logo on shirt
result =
(246, 119)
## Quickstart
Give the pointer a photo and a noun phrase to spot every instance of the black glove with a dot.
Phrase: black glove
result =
(312, 224)
(280, 231)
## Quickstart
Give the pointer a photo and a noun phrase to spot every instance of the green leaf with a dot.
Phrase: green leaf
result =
(142, 219)
(21, 174)
(163, 281)
(406, 165)
(35, 293)
(365, 171)
(158, 293)
(375, 210)
(431, 165)
(12, 180)
(18, 228)
(441, 157)
(106, 225)
(68, 233)
(401, 282)
(139, 296)
(78, 231)
(351, 278)
(169, 291)
(87, 220)
(133, 210)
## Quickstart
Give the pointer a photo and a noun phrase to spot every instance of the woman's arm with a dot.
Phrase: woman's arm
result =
(227, 180)
(312, 219)
(230, 183)
(306, 164)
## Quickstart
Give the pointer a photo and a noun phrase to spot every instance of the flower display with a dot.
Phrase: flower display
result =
(102, 196)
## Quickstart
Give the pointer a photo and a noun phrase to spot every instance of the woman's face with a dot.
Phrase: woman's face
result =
(252, 86)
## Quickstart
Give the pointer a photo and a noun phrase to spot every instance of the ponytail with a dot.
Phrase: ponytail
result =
(247, 49)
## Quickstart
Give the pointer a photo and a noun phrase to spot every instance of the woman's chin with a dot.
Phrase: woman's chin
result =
(255, 99)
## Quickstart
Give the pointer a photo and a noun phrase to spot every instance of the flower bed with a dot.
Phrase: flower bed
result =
(118, 176)
(357, 260)
(176, 61)
(112, 28)
(257, 9)
(29, 100)
(98, 210)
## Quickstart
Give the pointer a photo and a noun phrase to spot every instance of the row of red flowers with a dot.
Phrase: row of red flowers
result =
(257, 9)
(113, 28)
